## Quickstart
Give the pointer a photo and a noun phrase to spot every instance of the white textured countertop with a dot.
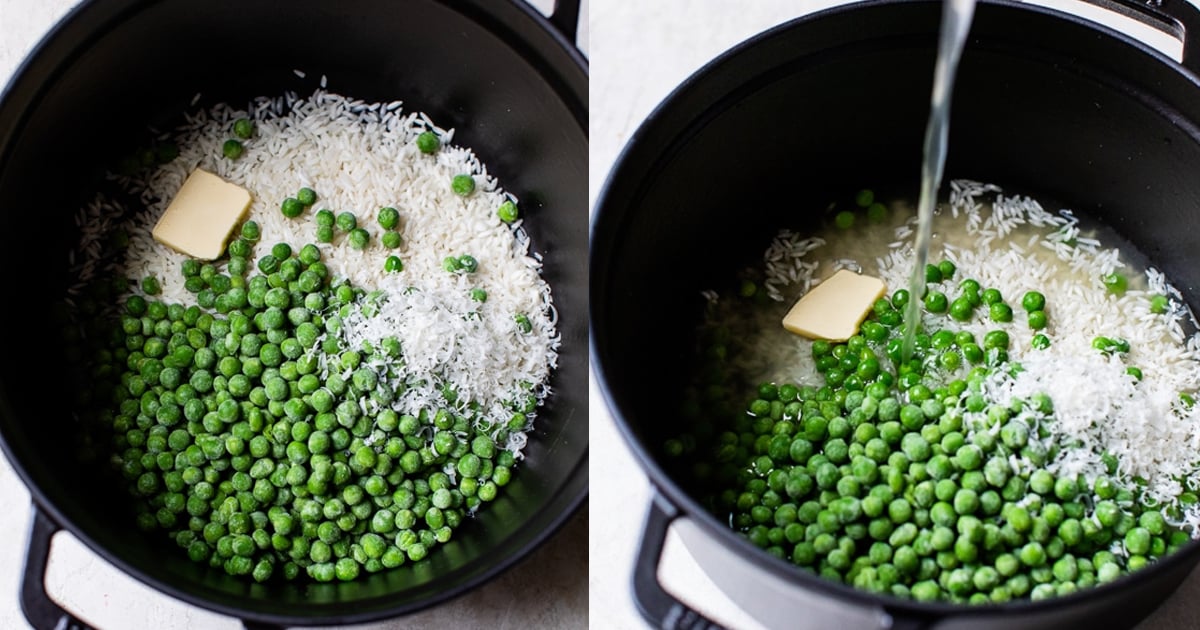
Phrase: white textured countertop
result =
(641, 50)
(546, 590)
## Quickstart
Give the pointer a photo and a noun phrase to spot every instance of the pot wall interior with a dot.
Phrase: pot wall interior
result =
(807, 114)
(491, 72)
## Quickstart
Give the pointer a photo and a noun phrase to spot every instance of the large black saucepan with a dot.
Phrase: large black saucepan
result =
(1046, 104)
(507, 79)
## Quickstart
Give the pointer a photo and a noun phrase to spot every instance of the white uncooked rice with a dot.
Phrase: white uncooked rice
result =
(360, 157)
(1013, 244)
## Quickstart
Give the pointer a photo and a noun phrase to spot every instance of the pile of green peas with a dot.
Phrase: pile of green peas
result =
(901, 477)
(235, 440)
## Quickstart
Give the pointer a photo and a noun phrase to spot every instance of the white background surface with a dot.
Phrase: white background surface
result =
(547, 590)
(641, 50)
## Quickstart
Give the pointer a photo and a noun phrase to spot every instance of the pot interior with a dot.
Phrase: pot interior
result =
(806, 114)
(492, 71)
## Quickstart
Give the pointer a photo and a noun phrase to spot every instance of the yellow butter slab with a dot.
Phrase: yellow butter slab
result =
(834, 309)
(203, 213)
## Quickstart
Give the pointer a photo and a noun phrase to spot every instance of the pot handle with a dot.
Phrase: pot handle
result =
(664, 611)
(658, 606)
(44, 613)
(1177, 18)
(40, 611)
(565, 18)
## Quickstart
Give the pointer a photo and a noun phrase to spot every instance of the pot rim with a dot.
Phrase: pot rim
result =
(663, 485)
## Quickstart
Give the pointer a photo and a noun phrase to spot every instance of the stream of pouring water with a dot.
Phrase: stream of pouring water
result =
(956, 22)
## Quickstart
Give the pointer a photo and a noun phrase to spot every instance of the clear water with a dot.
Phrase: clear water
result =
(956, 22)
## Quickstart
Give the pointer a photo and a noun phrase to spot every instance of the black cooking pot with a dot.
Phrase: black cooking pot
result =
(767, 134)
(509, 81)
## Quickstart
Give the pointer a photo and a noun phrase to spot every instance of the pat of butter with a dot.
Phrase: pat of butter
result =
(203, 213)
(834, 309)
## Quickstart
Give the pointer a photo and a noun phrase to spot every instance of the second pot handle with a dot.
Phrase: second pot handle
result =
(565, 18)
(665, 611)
(44, 613)
(658, 606)
(1178, 18)
(40, 611)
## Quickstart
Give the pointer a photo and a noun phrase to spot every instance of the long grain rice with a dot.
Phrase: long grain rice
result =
(360, 157)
